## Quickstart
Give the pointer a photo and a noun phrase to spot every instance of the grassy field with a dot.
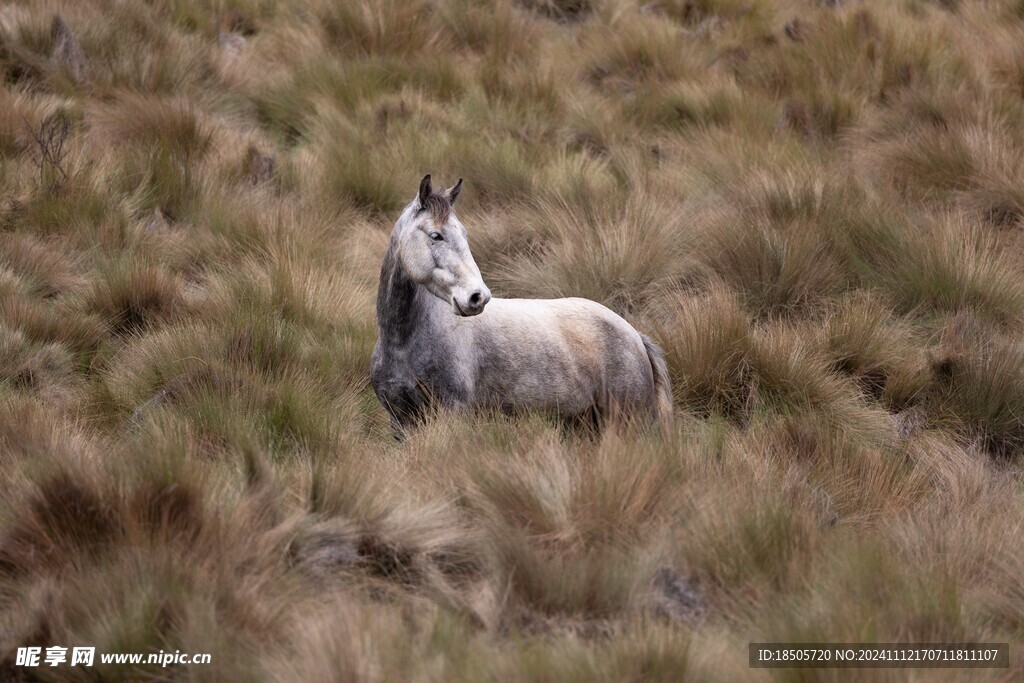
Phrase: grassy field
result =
(816, 208)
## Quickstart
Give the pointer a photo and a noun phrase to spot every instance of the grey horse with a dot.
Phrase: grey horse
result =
(573, 357)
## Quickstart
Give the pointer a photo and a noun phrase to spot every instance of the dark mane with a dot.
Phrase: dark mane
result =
(439, 206)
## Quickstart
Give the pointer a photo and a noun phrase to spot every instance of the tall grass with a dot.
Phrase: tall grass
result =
(814, 207)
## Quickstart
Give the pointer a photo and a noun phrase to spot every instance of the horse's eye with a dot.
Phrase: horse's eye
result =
(436, 236)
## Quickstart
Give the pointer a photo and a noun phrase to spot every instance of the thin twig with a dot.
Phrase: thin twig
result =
(51, 139)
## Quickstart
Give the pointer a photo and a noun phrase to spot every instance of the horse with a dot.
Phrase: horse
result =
(437, 347)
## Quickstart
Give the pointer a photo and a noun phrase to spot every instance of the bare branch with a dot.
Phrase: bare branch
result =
(51, 149)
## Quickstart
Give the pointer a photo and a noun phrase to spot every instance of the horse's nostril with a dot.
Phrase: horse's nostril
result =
(474, 298)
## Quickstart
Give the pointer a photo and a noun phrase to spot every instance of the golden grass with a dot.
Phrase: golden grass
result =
(813, 207)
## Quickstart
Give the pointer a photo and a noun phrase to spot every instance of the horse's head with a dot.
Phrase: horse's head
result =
(434, 252)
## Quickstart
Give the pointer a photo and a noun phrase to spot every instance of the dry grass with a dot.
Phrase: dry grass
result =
(814, 206)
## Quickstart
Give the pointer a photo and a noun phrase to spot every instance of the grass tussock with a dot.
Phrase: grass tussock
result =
(132, 296)
(814, 208)
(638, 249)
(866, 341)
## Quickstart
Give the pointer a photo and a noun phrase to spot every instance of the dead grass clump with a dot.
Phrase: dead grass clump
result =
(255, 383)
(950, 265)
(994, 189)
(500, 29)
(791, 242)
(158, 178)
(63, 517)
(619, 254)
(266, 346)
(146, 548)
(929, 164)
(46, 270)
(259, 166)
(707, 342)
(688, 105)
(133, 49)
(723, 365)
(965, 157)
(1004, 601)
(29, 433)
(979, 375)
(740, 552)
(292, 107)
(73, 207)
(63, 323)
(1008, 66)
(23, 52)
(855, 478)
(790, 374)
(373, 28)
(634, 49)
(879, 58)
(503, 171)
(529, 91)
(560, 10)
(131, 297)
(779, 271)
(15, 109)
(167, 510)
(905, 600)
(975, 560)
(368, 530)
(702, 12)
(566, 538)
(45, 368)
(866, 341)
(174, 127)
(367, 187)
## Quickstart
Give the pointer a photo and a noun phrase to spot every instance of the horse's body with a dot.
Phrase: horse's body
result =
(571, 357)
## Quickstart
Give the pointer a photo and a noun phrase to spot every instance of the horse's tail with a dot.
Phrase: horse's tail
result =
(662, 383)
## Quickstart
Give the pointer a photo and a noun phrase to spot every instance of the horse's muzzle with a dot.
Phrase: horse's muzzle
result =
(472, 304)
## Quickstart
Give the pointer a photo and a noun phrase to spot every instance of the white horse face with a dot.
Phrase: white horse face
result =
(434, 251)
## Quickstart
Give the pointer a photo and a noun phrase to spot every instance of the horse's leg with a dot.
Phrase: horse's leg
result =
(585, 425)
(406, 406)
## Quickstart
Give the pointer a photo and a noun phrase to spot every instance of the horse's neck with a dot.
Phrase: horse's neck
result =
(400, 304)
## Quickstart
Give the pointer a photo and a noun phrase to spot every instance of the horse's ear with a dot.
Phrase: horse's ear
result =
(453, 192)
(425, 190)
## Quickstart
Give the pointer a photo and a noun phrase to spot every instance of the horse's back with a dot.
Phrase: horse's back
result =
(567, 354)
